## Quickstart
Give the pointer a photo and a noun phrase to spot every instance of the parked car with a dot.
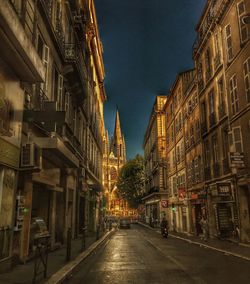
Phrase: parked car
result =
(124, 223)
(134, 219)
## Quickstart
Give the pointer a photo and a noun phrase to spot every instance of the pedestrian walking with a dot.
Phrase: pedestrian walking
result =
(204, 227)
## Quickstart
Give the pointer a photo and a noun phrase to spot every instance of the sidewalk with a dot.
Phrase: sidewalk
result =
(23, 273)
(223, 246)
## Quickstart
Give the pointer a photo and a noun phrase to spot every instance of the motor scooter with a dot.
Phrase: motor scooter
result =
(164, 232)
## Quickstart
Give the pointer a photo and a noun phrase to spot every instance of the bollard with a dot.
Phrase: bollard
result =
(84, 238)
(68, 252)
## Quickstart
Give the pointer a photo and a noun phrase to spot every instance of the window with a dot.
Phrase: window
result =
(172, 132)
(237, 139)
(45, 60)
(211, 102)
(187, 140)
(182, 150)
(208, 64)
(197, 129)
(225, 143)
(215, 149)
(206, 153)
(174, 185)
(234, 94)
(203, 112)
(246, 69)
(200, 76)
(221, 93)
(216, 44)
(229, 47)
(243, 27)
(191, 135)
(178, 155)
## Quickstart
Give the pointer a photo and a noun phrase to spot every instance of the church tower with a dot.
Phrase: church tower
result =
(118, 146)
(114, 157)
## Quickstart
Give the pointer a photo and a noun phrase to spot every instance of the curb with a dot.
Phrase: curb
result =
(201, 244)
(66, 270)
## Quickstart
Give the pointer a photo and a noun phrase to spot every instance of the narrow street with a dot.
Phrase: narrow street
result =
(138, 255)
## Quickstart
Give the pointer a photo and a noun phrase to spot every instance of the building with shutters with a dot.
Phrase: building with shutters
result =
(52, 62)
(221, 55)
(154, 146)
(236, 58)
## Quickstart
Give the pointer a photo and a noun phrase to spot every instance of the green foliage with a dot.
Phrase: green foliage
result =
(131, 181)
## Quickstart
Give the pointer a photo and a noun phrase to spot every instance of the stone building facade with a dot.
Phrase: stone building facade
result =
(52, 95)
(155, 164)
(221, 53)
(113, 159)
(207, 109)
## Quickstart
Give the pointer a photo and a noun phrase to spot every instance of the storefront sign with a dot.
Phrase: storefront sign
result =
(182, 192)
(164, 203)
(237, 160)
(224, 189)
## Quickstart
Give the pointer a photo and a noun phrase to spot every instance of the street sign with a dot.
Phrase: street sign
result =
(237, 160)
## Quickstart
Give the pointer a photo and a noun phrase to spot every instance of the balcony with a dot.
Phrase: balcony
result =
(48, 6)
(207, 173)
(216, 170)
(73, 55)
(55, 150)
(16, 46)
(212, 119)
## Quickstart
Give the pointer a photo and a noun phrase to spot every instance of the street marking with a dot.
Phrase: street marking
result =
(202, 245)
(176, 262)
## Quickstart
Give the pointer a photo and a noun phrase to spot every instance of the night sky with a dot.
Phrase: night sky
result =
(146, 43)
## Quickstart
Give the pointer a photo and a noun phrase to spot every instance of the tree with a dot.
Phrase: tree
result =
(130, 183)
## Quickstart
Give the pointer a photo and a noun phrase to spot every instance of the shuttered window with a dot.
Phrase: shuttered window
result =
(229, 46)
(246, 70)
(234, 94)
(244, 33)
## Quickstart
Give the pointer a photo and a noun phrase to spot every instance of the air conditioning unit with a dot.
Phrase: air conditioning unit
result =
(30, 155)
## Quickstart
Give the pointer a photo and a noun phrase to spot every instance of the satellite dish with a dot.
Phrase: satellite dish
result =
(246, 19)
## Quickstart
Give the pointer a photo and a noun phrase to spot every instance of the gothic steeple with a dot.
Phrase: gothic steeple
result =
(118, 145)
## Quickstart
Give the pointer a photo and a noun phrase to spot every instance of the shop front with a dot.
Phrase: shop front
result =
(198, 209)
(223, 214)
(156, 205)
